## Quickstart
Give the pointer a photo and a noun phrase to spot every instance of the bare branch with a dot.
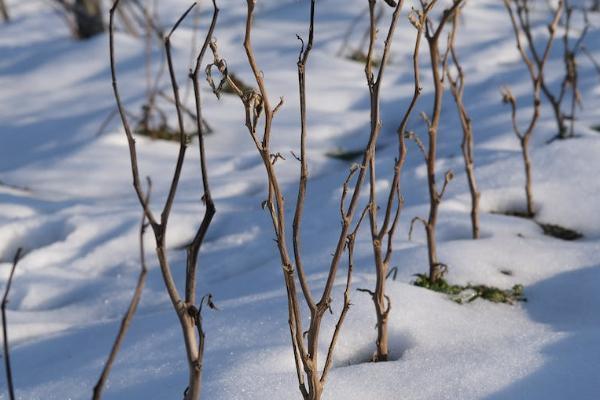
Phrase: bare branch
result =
(182, 136)
(350, 246)
(194, 247)
(393, 204)
(188, 314)
(127, 318)
(414, 137)
(412, 224)
(522, 25)
(393, 273)
(457, 87)
(7, 364)
(589, 55)
(125, 121)
(448, 176)
(509, 98)
(296, 224)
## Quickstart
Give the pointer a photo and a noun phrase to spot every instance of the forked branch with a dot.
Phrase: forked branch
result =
(257, 106)
(518, 11)
(189, 314)
(439, 67)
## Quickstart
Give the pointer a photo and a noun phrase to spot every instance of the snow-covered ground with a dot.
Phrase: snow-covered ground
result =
(66, 198)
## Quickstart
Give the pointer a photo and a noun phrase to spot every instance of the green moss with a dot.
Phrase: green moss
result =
(467, 294)
(559, 232)
(441, 285)
(515, 213)
(496, 295)
(556, 231)
(162, 132)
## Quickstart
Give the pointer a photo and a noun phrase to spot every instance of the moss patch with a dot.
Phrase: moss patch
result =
(469, 293)
(553, 230)
(162, 132)
(441, 285)
(560, 232)
(514, 213)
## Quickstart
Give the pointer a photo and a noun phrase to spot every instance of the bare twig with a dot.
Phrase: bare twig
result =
(448, 176)
(346, 306)
(457, 87)
(257, 105)
(188, 313)
(589, 55)
(296, 225)
(7, 365)
(420, 145)
(535, 63)
(412, 225)
(382, 253)
(439, 67)
(393, 273)
(570, 52)
(127, 318)
(125, 122)
(113, 113)
(194, 247)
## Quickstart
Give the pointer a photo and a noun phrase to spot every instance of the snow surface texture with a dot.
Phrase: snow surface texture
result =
(67, 199)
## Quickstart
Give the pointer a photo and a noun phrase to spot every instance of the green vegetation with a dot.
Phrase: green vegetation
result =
(163, 132)
(559, 232)
(514, 213)
(469, 293)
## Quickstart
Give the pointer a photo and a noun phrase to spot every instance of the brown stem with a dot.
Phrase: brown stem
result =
(189, 316)
(457, 87)
(296, 225)
(128, 132)
(521, 25)
(128, 316)
(528, 177)
(7, 364)
(390, 219)
(435, 196)
(257, 105)
(194, 247)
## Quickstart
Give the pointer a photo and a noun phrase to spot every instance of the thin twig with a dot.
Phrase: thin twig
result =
(128, 316)
(296, 225)
(412, 224)
(7, 365)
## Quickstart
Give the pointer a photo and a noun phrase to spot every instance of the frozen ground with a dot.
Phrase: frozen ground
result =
(66, 198)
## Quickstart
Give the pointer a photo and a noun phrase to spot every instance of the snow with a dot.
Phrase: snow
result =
(66, 198)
